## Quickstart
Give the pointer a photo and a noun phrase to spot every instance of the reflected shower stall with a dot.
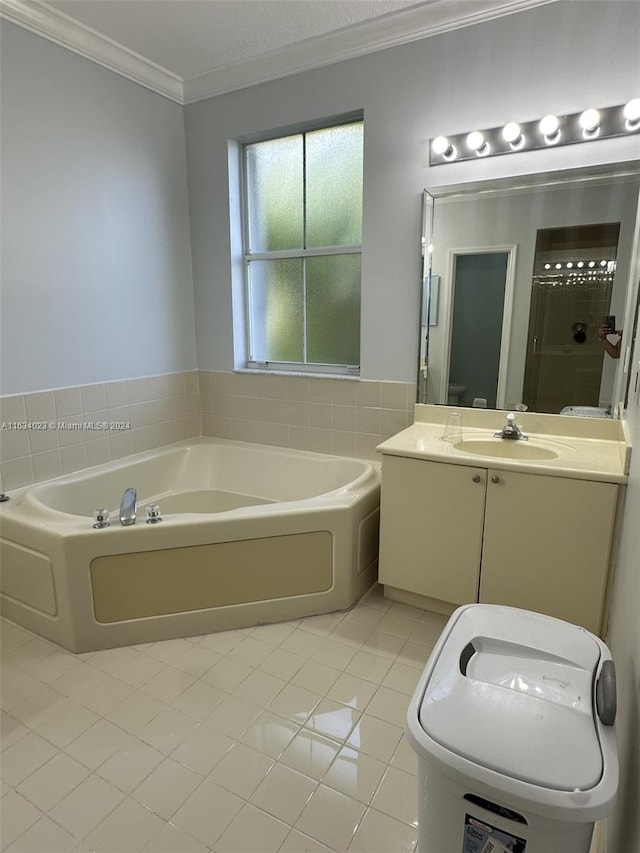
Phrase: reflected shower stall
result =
(573, 273)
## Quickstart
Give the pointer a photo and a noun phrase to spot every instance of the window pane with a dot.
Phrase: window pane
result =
(334, 186)
(275, 304)
(333, 309)
(274, 190)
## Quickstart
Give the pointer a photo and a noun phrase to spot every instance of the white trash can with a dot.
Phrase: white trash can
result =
(512, 721)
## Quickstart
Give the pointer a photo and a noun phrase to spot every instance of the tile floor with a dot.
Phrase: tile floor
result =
(282, 738)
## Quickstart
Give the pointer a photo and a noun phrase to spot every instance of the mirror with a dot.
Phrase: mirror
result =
(518, 277)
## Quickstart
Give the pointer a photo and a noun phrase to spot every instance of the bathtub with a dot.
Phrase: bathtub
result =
(250, 534)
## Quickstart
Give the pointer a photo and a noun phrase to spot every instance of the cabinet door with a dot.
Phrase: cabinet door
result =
(546, 546)
(431, 528)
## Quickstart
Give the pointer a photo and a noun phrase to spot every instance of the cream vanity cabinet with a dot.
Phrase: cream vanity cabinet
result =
(458, 534)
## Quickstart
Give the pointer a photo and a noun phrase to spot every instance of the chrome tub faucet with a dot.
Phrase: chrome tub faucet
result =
(128, 507)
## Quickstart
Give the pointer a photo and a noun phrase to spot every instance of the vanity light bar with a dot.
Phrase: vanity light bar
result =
(549, 131)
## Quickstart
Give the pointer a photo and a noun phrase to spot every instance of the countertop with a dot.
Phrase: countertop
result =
(579, 456)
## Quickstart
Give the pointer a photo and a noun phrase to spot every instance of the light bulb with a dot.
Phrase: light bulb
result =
(631, 114)
(476, 142)
(443, 148)
(580, 264)
(550, 129)
(590, 123)
(592, 263)
(547, 266)
(569, 266)
(512, 134)
(558, 266)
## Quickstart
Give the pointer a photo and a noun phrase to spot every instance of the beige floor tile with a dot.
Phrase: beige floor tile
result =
(260, 688)
(405, 758)
(139, 670)
(172, 839)
(302, 643)
(67, 723)
(282, 664)
(348, 632)
(397, 796)
(44, 835)
(396, 625)
(127, 768)
(98, 743)
(128, 828)
(389, 705)
(208, 812)
(375, 737)
(284, 793)
(86, 806)
(167, 684)
(316, 677)
(53, 781)
(310, 754)
(298, 842)
(369, 666)
(135, 712)
(402, 678)
(270, 734)
(335, 654)
(24, 756)
(414, 654)
(352, 690)
(203, 749)
(295, 703)
(199, 700)
(227, 674)
(385, 645)
(11, 730)
(366, 616)
(103, 696)
(241, 770)
(332, 719)
(167, 730)
(253, 831)
(167, 788)
(355, 774)
(273, 634)
(331, 818)
(251, 652)
(18, 815)
(378, 833)
(233, 716)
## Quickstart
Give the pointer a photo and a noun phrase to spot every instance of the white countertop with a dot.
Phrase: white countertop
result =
(579, 457)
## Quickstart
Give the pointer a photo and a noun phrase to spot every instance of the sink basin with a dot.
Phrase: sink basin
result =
(505, 449)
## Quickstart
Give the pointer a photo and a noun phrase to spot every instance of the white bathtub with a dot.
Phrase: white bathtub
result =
(251, 534)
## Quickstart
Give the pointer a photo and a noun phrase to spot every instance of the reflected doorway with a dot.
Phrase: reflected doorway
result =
(572, 282)
(480, 321)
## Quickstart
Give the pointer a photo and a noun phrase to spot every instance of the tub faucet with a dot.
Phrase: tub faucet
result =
(128, 507)
(511, 430)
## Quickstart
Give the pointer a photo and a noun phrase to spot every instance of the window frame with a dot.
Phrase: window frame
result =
(300, 367)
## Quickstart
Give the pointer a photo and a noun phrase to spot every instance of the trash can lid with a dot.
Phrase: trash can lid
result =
(512, 691)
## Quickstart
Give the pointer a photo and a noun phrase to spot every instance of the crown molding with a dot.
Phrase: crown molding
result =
(57, 27)
(402, 27)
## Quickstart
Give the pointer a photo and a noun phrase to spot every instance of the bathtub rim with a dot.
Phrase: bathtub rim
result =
(26, 507)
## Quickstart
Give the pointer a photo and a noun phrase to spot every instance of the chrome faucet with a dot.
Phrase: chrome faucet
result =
(128, 507)
(511, 430)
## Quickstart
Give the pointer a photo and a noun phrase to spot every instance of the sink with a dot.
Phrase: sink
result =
(505, 448)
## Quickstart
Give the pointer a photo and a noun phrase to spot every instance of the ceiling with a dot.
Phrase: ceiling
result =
(191, 49)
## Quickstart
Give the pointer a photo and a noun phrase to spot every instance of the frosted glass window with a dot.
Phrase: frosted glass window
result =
(276, 308)
(303, 235)
(333, 312)
(334, 186)
(275, 180)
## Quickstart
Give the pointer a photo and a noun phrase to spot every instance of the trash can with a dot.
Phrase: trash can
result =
(513, 724)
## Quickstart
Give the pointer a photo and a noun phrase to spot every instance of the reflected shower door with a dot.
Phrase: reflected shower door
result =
(571, 289)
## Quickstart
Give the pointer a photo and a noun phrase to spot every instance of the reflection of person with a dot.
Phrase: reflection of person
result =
(612, 349)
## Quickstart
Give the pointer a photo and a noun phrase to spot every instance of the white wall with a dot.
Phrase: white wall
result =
(96, 267)
(561, 57)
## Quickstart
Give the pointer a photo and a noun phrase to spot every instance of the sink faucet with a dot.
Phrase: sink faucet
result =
(511, 430)
(128, 507)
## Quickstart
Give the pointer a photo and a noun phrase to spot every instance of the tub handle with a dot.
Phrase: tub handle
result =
(101, 518)
(153, 514)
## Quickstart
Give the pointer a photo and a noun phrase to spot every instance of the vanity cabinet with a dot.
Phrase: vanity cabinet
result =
(459, 534)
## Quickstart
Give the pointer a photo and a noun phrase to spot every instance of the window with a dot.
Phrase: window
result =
(303, 235)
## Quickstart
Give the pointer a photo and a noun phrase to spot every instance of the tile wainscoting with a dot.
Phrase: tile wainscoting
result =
(347, 416)
(159, 410)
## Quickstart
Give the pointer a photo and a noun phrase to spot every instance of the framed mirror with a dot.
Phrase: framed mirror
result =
(525, 274)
